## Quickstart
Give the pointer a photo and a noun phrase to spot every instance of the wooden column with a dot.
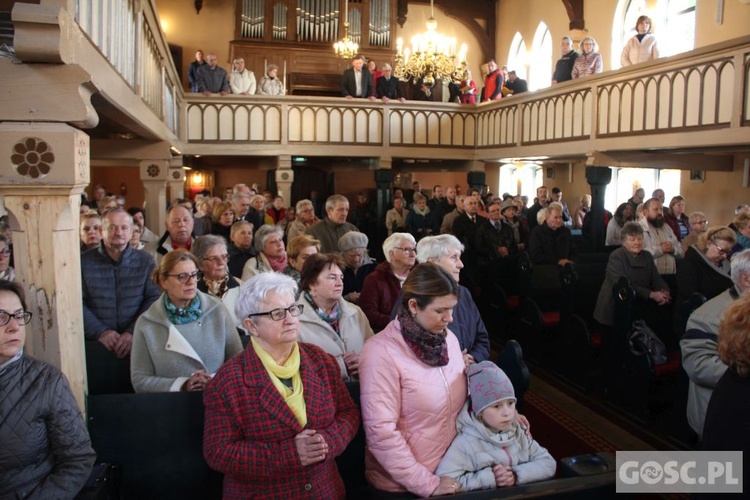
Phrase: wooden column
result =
(154, 176)
(45, 169)
(284, 178)
(176, 178)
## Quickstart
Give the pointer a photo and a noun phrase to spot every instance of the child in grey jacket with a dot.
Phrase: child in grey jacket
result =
(491, 449)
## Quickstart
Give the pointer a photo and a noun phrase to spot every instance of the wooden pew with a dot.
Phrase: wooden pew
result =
(106, 373)
(632, 380)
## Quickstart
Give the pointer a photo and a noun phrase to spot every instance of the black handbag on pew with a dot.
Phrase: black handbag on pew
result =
(643, 340)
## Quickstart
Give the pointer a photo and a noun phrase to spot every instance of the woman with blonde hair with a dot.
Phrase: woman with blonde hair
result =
(589, 62)
(705, 267)
(185, 336)
(297, 252)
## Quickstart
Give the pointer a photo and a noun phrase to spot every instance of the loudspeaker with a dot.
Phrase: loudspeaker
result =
(383, 175)
(476, 179)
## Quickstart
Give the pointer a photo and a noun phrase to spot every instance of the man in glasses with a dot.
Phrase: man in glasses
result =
(305, 218)
(117, 285)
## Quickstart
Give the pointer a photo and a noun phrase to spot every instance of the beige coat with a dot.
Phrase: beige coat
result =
(354, 329)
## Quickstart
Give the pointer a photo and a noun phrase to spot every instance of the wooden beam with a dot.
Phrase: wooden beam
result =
(666, 159)
(574, 8)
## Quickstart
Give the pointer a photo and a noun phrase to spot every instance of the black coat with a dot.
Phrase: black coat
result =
(696, 274)
(389, 87)
(349, 84)
(548, 246)
(489, 239)
(466, 232)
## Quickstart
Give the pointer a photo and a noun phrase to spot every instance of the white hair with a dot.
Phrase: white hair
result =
(541, 215)
(254, 293)
(394, 241)
(263, 233)
(432, 248)
(302, 204)
(740, 265)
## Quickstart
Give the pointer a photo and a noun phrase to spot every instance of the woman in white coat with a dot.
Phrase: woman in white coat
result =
(642, 47)
(335, 325)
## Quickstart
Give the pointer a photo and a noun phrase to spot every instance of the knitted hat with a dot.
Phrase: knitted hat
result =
(353, 239)
(507, 204)
(271, 67)
(488, 384)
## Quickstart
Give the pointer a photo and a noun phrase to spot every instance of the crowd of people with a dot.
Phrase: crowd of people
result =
(318, 311)
(364, 79)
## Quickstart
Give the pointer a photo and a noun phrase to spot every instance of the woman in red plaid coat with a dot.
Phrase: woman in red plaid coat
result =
(278, 414)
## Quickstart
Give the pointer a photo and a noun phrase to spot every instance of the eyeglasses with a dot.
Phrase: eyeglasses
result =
(215, 258)
(185, 277)
(280, 313)
(21, 317)
(702, 222)
(408, 250)
(722, 251)
(5, 251)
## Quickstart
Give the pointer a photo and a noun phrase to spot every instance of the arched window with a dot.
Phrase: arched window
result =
(623, 26)
(541, 58)
(520, 178)
(626, 180)
(517, 56)
(675, 27)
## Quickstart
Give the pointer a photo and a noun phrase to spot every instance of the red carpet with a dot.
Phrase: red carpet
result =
(560, 433)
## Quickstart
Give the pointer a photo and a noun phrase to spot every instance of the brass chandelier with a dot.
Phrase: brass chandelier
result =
(432, 57)
(346, 48)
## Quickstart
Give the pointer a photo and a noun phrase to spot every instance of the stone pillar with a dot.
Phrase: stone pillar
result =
(284, 178)
(44, 172)
(154, 176)
(598, 178)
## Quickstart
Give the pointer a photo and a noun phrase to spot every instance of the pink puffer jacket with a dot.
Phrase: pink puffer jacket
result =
(409, 411)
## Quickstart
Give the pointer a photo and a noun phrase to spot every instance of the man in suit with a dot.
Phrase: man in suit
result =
(357, 80)
(465, 229)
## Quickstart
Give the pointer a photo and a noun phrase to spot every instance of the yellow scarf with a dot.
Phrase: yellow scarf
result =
(294, 397)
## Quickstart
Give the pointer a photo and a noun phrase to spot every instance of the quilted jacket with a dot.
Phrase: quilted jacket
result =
(45, 450)
(409, 411)
(115, 293)
(249, 430)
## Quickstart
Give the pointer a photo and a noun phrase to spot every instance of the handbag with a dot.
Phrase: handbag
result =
(643, 340)
(103, 483)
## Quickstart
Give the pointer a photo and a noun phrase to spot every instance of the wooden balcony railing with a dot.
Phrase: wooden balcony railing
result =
(128, 34)
(706, 89)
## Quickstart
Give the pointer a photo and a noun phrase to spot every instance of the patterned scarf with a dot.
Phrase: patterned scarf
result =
(294, 397)
(217, 288)
(332, 319)
(182, 315)
(430, 348)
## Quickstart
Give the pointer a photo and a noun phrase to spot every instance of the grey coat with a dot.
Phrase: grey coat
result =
(700, 355)
(45, 450)
(165, 355)
(476, 449)
(639, 269)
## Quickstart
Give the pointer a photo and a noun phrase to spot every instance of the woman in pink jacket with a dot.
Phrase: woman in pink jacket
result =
(413, 386)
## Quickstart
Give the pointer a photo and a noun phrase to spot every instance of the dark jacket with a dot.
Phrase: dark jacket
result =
(518, 86)
(531, 215)
(328, 233)
(727, 426)
(564, 67)
(238, 258)
(421, 225)
(489, 239)
(640, 271)
(695, 273)
(355, 280)
(380, 292)
(349, 84)
(256, 218)
(249, 432)
(115, 293)
(390, 88)
(45, 451)
(548, 246)
(466, 231)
